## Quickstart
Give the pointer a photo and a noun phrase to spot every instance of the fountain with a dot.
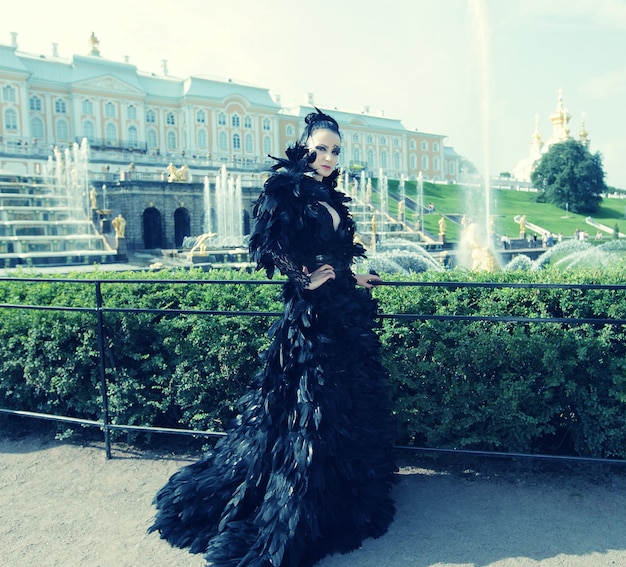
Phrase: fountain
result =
(44, 220)
(223, 238)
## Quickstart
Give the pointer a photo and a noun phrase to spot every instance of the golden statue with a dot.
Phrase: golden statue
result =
(94, 42)
(442, 226)
(522, 226)
(93, 198)
(119, 225)
(177, 175)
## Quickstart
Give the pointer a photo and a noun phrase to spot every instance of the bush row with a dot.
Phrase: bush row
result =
(538, 387)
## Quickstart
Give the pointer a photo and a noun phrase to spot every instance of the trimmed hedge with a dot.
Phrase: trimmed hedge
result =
(503, 385)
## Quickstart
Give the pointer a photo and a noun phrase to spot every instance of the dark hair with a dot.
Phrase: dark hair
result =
(318, 121)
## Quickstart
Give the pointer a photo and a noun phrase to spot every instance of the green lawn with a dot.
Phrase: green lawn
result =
(505, 205)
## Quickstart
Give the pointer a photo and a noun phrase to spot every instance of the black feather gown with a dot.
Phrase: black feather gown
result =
(308, 469)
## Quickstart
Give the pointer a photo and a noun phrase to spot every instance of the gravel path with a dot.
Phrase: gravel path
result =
(64, 504)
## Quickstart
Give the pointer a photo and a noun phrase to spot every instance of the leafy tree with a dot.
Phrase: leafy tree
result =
(569, 176)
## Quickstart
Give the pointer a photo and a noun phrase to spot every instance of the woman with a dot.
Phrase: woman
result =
(308, 469)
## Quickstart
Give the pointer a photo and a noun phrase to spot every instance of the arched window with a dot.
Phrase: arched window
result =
(247, 122)
(267, 145)
(110, 132)
(221, 119)
(10, 120)
(131, 112)
(171, 141)
(88, 130)
(370, 158)
(132, 137)
(151, 138)
(355, 137)
(151, 117)
(435, 147)
(36, 127)
(413, 161)
(170, 119)
(249, 143)
(436, 163)
(424, 163)
(356, 155)
(223, 141)
(63, 132)
(267, 124)
(383, 159)
(35, 103)
(201, 139)
(109, 110)
(236, 142)
(424, 145)
(87, 106)
(397, 161)
(396, 142)
(201, 117)
(235, 121)
(370, 139)
(412, 144)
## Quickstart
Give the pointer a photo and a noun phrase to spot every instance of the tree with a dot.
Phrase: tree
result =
(569, 176)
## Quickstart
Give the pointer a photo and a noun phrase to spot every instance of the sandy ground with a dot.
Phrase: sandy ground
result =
(62, 503)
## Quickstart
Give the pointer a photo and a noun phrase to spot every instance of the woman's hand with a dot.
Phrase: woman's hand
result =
(320, 276)
(368, 281)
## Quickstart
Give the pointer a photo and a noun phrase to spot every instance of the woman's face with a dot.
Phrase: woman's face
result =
(326, 144)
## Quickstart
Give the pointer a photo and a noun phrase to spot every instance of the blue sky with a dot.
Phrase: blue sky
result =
(477, 71)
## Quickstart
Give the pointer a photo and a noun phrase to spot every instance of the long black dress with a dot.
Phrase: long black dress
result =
(308, 469)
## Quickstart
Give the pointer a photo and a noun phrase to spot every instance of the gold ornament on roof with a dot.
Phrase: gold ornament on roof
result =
(94, 43)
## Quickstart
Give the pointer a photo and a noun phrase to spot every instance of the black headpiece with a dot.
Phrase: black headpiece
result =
(316, 121)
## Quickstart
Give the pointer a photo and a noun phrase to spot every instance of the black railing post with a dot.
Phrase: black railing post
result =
(102, 366)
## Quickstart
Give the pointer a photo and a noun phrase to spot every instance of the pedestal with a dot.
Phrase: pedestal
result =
(122, 250)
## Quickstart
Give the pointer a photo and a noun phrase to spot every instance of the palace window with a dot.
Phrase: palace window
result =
(370, 158)
(249, 143)
(424, 163)
(151, 117)
(201, 139)
(383, 141)
(201, 117)
(397, 161)
(171, 141)
(236, 142)
(223, 141)
(267, 124)
(63, 132)
(110, 131)
(109, 110)
(35, 103)
(413, 161)
(424, 145)
(8, 93)
(396, 142)
(235, 121)
(88, 130)
(131, 112)
(383, 159)
(412, 145)
(170, 119)
(60, 107)
(355, 138)
(10, 120)
(267, 145)
(435, 147)
(221, 119)
(247, 122)
(151, 138)
(436, 163)
(36, 127)
(132, 137)
(356, 155)
(87, 106)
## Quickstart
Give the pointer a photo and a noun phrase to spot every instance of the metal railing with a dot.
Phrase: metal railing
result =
(100, 309)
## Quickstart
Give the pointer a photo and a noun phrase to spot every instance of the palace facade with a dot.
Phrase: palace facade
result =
(152, 120)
